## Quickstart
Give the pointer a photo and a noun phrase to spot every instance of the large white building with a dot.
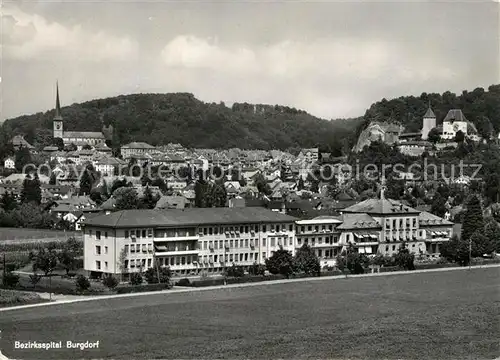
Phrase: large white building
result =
(188, 241)
(193, 240)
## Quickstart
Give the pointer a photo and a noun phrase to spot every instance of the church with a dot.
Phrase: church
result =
(78, 138)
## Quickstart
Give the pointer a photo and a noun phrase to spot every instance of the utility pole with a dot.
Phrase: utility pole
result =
(470, 252)
(4, 270)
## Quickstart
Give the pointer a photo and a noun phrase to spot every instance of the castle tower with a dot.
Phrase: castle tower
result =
(429, 122)
(58, 120)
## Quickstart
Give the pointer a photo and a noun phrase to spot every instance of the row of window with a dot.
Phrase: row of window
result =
(98, 250)
(230, 258)
(316, 228)
(98, 265)
(139, 233)
(244, 229)
(133, 263)
(245, 243)
(98, 234)
(328, 253)
(403, 223)
(328, 240)
(136, 248)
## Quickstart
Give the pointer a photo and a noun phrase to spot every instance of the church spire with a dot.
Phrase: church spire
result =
(58, 105)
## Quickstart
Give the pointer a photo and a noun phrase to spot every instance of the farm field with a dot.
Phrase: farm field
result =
(436, 315)
(15, 235)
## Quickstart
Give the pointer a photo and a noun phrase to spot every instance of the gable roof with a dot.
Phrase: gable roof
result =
(426, 218)
(455, 115)
(190, 216)
(358, 221)
(380, 206)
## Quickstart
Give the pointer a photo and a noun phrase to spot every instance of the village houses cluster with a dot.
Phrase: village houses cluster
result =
(251, 227)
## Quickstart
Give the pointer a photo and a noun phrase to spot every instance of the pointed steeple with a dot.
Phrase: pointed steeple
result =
(429, 113)
(58, 105)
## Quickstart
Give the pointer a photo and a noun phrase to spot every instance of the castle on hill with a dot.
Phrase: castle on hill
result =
(78, 138)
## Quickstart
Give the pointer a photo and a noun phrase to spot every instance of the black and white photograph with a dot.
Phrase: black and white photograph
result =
(250, 179)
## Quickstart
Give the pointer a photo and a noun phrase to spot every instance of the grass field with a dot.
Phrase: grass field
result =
(14, 298)
(437, 315)
(19, 234)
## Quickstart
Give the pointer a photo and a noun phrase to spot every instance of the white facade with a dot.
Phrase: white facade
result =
(9, 163)
(450, 129)
(185, 249)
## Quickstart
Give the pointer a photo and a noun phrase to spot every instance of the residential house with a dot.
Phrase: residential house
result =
(9, 163)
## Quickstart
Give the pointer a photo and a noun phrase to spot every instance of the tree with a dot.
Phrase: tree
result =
(438, 206)
(67, 257)
(118, 183)
(455, 250)
(434, 136)
(59, 143)
(257, 269)
(31, 215)
(473, 218)
(404, 259)
(352, 260)
(492, 233)
(235, 271)
(126, 199)
(53, 179)
(70, 147)
(306, 261)
(10, 280)
(44, 260)
(35, 279)
(164, 273)
(219, 194)
(86, 147)
(136, 279)
(148, 200)
(22, 158)
(459, 137)
(300, 185)
(281, 262)
(110, 282)
(8, 202)
(31, 190)
(122, 259)
(85, 183)
(82, 283)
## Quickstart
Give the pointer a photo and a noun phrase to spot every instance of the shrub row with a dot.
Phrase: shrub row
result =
(141, 288)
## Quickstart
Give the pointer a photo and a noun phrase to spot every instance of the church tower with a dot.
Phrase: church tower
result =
(58, 120)
(429, 122)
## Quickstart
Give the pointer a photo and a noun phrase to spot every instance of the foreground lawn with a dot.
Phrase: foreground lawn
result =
(441, 315)
(15, 298)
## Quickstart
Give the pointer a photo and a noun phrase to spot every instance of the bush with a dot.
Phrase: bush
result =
(35, 279)
(82, 283)
(110, 282)
(257, 269)
(10, 280)
(183, 282)
(235, 271)
(281, 262)
(141, 288)
(151, 275)
(135, 279)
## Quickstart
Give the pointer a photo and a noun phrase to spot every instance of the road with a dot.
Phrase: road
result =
(445, 315)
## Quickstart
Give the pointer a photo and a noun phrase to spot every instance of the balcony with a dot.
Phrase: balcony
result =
(176, 238)
(165, 251)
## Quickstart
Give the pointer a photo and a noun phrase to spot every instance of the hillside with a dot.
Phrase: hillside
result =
(181, 118)
(479, 106)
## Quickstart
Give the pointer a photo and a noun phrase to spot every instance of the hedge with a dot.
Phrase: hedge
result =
(141, 288)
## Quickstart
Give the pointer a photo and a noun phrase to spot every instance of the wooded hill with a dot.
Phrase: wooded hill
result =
(481, 107)
(181, 118)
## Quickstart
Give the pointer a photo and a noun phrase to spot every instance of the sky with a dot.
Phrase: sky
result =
(332, 59)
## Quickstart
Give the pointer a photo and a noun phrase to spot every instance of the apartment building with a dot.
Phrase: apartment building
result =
(386, 224)
(322, 235)
(188, 241)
